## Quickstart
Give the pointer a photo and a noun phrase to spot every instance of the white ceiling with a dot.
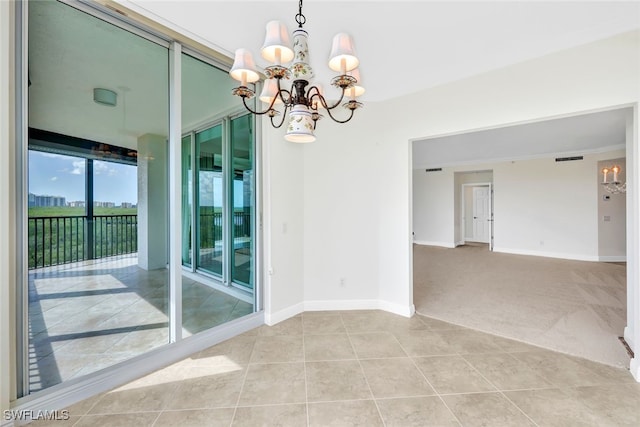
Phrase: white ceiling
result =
(403, 47)
(576, 135)
(406, 46)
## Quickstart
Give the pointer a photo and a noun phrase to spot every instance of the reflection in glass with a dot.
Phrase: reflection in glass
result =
(187, 196)
(209, 146)
(105, 299)
(243, 201)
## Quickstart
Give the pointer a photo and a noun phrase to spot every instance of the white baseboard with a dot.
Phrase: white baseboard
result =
(575, 257)
(329, 305)
(277, 317)
(460, 243)
(634, 367)
(628, 337)
(70, 392)
(441, 244)
(622, 258)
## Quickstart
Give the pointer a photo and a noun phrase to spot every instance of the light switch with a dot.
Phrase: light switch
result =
(606, 218)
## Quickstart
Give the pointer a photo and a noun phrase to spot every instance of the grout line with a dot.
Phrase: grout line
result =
(306, 384)
(375, 402)
(500, 391)
(244, 379)
(432, 387)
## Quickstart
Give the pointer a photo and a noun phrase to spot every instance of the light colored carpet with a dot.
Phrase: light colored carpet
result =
(574, 307)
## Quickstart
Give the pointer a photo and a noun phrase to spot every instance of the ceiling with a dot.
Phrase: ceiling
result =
(403, 47)
(406, 46)
(576, 135)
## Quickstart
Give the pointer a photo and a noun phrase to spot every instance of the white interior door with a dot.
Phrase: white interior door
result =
(482, 214)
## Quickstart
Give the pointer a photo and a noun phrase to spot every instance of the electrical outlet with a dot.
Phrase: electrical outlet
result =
(343, 282)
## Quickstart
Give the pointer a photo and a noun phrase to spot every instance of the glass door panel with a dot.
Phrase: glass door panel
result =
(242, 195)
(187, 197)
(210, 218)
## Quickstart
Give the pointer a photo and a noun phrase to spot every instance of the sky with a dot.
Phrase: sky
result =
(58, 175)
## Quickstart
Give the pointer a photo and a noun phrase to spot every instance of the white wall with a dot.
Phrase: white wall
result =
(433, 208)
(283, 218)
(586, 78)
(541, 207)
(547, 208)
(612, 216)
(341, 213)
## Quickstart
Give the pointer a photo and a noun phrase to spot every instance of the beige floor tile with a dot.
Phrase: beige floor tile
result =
(292, 326)
(323, 324)
(467, 341)
(424, 343)
(613, 405)
(236, 350)
(553, 408)
(376, 345)
(285, 348)
(62, 421)
(438, 325)
(355, 413)
(83, 406)
(486, 409)
(134, 399)
(362, 321)
(328, 347)
(416, 412)
(452, 374)
(559, 370)
(336, 380)
(140, 419)
(395, 378)
(273, 384)
(208, 388)
(220, 417)
(271, 416)
(506, 372)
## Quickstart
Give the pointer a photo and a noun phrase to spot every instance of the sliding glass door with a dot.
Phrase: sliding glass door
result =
(223, 197)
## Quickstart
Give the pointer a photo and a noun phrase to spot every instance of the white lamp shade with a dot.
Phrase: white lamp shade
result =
(357, 89)
(342, 53)
(277, 46)
(269, 91)
(300, 127)
(244, 69)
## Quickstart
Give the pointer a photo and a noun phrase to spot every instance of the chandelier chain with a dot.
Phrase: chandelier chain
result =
(300, 18)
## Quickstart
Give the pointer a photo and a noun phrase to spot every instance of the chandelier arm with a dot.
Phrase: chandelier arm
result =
(340, 121)
(258, 113)
(323, 100)
(284, 115)
(289, 95)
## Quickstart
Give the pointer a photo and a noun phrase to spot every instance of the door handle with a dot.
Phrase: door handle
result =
(475, 217)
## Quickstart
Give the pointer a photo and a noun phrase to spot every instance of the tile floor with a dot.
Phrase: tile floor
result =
(370, 368)
(87, 316)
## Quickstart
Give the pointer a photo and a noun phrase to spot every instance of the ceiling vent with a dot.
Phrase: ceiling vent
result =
(568, 159)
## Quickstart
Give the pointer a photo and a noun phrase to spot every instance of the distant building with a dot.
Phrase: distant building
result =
(76, 204)
(104, 204)
(37, 201)
(127, 205)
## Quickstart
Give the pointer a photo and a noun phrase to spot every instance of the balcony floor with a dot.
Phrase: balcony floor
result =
(87, 316)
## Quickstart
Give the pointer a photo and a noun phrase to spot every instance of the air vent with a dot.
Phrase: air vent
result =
(434, 170)
(568, 159)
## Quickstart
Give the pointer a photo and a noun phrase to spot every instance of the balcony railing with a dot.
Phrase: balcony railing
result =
(64, 239)
(60, 240)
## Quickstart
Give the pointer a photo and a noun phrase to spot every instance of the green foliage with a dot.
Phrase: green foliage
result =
(68, 211)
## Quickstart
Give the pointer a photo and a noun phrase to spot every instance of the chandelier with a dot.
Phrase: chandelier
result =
(303, 99)
(614, 186)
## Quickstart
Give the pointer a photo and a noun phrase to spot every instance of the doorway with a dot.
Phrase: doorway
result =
(476, 222)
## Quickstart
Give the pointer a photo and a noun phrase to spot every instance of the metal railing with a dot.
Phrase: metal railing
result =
(211, 227)
(64, 239)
